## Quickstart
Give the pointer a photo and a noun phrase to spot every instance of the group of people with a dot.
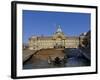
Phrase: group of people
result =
(57, 60)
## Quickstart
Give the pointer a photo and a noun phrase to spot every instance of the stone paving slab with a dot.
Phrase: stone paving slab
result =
(40, 59)
(27, 54)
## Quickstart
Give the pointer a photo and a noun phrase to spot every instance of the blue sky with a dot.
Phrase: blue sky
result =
(45, 23)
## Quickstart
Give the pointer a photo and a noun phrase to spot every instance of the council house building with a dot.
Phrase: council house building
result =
(57, 40)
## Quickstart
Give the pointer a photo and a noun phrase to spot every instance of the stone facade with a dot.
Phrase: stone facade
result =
(57, 40)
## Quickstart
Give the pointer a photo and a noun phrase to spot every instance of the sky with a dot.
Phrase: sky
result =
(45, 23)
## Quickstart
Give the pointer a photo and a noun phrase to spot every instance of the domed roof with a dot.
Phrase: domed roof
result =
(59, 33)
(59, 29)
